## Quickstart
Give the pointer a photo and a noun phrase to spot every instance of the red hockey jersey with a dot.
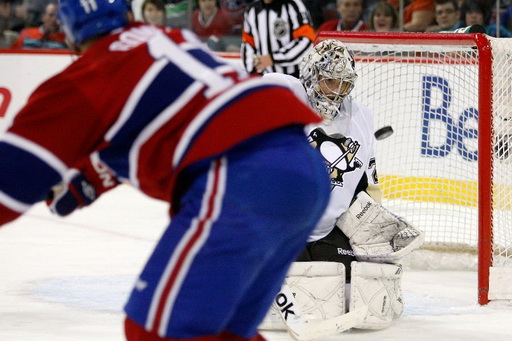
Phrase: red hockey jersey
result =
(150, 102)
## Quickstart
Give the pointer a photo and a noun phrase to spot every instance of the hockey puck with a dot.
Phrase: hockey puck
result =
(384, 133)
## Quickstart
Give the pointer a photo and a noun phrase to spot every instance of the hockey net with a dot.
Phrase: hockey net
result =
(448, 165)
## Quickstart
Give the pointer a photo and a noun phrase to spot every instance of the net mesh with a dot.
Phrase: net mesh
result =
(502, 157)
(428, 169)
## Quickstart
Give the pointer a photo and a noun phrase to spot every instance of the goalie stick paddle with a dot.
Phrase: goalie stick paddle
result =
(303, 330)
(383, 133)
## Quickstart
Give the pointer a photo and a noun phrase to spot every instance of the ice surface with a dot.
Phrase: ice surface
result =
(67, 279)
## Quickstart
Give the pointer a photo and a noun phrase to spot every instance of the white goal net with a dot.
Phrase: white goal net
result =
(448, 165)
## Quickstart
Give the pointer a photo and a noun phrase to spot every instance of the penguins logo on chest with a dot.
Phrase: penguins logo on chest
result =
(339, 153)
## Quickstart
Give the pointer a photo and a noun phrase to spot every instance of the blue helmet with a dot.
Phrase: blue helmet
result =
(84, 19)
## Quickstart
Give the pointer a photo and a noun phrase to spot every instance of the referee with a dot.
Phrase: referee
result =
(277, 34)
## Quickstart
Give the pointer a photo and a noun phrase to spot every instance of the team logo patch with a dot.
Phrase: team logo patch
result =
(280, 28)
(339, 154)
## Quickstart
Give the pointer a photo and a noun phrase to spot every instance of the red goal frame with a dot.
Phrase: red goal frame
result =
(485, 145)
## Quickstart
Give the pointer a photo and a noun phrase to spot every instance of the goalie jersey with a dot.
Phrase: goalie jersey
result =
(162, 103)
(348, 148)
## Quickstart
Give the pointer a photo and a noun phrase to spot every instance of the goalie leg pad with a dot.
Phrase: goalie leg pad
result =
(376, 234)
(318, 290)
(379, 287)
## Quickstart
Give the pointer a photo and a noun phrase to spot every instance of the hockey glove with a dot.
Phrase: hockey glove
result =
(84, 186)
(376, 234)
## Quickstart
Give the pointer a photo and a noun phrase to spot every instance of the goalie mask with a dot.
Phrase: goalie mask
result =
(328, 75)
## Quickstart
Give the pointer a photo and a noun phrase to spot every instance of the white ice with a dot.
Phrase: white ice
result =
(67, 279)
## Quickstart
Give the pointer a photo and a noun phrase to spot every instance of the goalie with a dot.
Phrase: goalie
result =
(350, 264)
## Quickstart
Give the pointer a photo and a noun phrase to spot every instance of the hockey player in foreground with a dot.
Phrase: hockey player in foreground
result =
(357, 241)
(151, 107)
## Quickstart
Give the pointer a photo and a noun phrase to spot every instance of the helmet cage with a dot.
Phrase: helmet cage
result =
(328, 74)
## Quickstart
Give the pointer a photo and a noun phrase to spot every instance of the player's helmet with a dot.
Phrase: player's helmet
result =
(84, 19)
(328, 75)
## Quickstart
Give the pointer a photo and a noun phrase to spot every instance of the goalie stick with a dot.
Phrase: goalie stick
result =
(303, 330)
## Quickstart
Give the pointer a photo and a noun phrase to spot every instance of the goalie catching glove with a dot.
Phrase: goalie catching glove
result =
(82, 185)
(376, 234)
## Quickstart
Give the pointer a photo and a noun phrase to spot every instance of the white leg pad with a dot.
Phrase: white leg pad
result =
(378, 286)
(319, 292)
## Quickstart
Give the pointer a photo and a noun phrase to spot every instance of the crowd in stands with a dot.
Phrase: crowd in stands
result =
(32, 24)
(350, 17)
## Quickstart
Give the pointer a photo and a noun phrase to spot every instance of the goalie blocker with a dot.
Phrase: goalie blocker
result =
(315, 294)
(376, 234)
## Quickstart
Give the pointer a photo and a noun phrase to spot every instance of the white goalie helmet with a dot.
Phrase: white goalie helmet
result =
(328, 75)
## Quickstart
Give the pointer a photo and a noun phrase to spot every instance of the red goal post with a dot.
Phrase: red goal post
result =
(448, 166)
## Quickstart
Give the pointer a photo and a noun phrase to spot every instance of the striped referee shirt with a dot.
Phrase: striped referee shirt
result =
(281, 29)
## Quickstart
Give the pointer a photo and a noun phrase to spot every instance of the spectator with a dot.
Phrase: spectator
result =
(447, 16)
(153, 12)
(235, 9)
(383, 18)
(46, 36)
(34, 10)
(418, 14)
(351, 17)
(10, 22)
(478, 12)
(277, 34)
(210, 20)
